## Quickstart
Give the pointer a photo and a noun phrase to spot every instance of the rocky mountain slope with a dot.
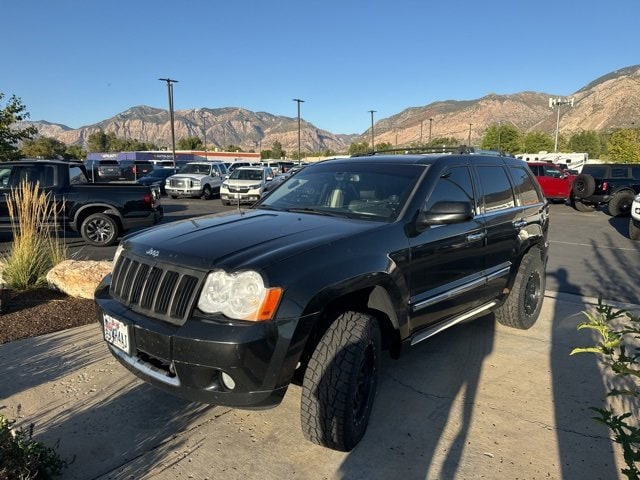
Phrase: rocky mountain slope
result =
(610, 101)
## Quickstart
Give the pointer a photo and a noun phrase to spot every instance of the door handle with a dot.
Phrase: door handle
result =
(476, 236)
(519, 224)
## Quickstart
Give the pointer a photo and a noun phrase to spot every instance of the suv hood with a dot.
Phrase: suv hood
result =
(190, 176)
(232, 241)
(234, 182)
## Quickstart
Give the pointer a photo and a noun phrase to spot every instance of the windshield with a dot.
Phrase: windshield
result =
(241, 174)
(370, 191)
(196, 168)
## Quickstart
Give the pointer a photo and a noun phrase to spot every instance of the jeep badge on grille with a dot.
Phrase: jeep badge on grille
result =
(154, 253)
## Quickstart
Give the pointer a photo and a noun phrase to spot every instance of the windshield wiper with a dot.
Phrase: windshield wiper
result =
(314, 211)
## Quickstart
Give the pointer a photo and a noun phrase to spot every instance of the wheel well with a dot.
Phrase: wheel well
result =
(82, 215)
(355, 301)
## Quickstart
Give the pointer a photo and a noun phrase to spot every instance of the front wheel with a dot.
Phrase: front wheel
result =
(99, 229)
(207, 194)
(340, 382)
(522, 307)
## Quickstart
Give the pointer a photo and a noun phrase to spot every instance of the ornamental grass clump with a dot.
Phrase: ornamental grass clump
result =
(619, 352)
(36, 247)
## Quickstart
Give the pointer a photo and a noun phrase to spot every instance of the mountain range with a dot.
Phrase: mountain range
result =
(608, 102)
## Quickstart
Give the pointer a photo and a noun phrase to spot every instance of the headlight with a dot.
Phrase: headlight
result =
(241, 296)
(253, 187)
(196, 183)
(225, 184)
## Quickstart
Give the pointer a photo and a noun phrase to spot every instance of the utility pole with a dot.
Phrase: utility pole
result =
(170, 83)
(421, 132)
(469, 141)
(299, 101)
(373, 148)
(203, 116)
(557, 103)
(430, 122)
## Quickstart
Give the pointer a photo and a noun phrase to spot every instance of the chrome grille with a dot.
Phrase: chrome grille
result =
(154, 289)
(180, 183)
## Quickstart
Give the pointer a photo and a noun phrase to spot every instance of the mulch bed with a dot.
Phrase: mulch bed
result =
(41, 310)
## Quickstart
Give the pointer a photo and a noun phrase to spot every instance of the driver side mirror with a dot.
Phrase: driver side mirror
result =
(444, 213)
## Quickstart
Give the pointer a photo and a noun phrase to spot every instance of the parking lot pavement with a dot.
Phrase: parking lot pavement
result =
(478, 400)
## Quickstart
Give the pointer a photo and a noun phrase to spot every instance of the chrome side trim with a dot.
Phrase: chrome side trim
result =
(430, 332)
(449, 294)
(499, 273)
(146, 368)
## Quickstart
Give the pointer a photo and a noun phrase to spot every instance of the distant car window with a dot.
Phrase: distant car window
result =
(635, 172)
(496, 188)
(248, 174)
(550, 171)
(537, 170)
(77, 176)
(454, 185)
(597, 172)
(525, 188)
(619, 172)
(5, 172)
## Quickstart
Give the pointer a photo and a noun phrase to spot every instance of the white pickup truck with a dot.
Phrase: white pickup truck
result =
(196, 179)
(634, 221)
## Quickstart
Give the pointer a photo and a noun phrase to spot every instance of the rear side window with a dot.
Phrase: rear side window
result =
(635, 172)
(454, 185)
(496, 188)
(77, 176)
(526, 191)
(597, 172)
(619, 172)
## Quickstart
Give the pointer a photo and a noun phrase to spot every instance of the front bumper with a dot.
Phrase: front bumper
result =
(183, 192)
(248, 196)
(188, 360)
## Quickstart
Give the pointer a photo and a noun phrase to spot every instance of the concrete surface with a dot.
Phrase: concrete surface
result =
(477, 401)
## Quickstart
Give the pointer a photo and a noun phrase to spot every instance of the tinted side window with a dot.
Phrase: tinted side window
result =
(44, 174)
(76, 176)
(524, 186)
(597, 172)
(496, 188)
(5, 172)
(635, 172)
(536, 170)
(454, 185)
(619, 172)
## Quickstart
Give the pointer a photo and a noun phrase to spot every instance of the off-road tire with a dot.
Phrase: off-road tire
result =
(634, 230)
(207, 194)
(582, 207)
(523, 305)
(620, 204)
(584, 185)
(340, 382)
(100, 230)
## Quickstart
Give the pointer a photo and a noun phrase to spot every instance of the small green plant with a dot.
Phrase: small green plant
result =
(618, 349)
(36, 247)
(23, 458)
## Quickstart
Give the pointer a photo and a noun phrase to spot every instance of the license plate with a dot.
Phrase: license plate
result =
(116, 333)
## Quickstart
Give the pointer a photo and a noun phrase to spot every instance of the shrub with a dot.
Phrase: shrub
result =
(618, 349)
(21, 457)
(36, 247)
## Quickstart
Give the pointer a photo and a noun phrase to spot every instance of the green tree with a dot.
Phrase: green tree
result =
(277, 152)
(43, 147)
(359, 148)
(98, 142)
(586, 141)
(444, 141)
(189, 143)
(10, 133)
(624, 146)
(503, 137)
(538, 142)
(383, 146)
(75, 151)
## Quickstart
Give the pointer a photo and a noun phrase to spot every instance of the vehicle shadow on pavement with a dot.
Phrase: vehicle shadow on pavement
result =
(621, 225)
(413, 425)
(46, 361)
(584, 447)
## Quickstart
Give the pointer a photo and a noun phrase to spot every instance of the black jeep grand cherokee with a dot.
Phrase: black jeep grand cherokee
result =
(344, 259)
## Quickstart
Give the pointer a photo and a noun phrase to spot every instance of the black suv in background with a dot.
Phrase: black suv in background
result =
(609, 184)
(344, 259)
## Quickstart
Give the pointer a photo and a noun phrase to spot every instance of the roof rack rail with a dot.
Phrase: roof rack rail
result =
(459, 149)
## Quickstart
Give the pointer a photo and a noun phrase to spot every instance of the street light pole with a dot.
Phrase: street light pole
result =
(204, 128)
(430, 122)
(170, 83)
(558, 102)
(299, 101)
(373, 148)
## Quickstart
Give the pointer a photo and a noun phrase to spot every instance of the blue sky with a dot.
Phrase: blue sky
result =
(78, 62)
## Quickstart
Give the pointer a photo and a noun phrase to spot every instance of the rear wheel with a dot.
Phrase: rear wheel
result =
(99, 229)
(340, 382)
(584, 185)
(620, 204)
(523, 305)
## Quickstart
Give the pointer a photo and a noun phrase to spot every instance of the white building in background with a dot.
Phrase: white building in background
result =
(574, 161)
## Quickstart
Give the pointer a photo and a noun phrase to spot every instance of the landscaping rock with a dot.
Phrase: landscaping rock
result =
(78, 278)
